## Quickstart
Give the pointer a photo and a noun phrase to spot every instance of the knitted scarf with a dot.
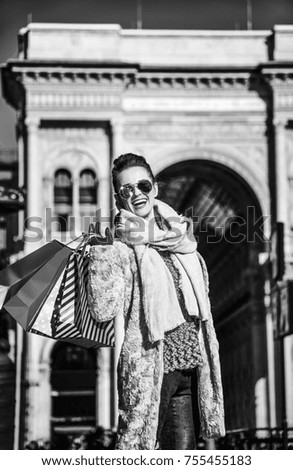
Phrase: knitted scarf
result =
(160, 302)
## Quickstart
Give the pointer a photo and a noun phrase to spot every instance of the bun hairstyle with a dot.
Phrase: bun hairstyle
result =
(128, 160)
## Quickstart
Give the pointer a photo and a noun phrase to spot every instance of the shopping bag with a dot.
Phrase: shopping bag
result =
(26, 303)
(33, 284)
(42, 325)
(72, 318)
(14, 276)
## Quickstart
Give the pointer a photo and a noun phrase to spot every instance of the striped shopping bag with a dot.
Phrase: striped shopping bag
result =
(71, 319)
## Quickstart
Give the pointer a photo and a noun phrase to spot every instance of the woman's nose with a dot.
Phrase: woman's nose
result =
(136, 190)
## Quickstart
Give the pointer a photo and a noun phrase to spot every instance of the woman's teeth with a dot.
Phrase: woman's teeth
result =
(139, 203)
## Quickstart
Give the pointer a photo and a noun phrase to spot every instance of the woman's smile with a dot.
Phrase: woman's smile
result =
(139, 203)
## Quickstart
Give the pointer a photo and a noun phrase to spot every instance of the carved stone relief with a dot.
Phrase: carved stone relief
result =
(169, 131)
(75, 149)
(77, 98)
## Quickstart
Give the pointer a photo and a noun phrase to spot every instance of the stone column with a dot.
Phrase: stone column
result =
(103, 212)
(117, 145)
(33, 389)
(19, 412)
(104, 183)
(34, 184)
(117, 137)
(76, 225)
(103, 396)
(270, 355)
(34, 177)
(21, 169)
(7, 405)
(44, 404)
(104, 383)
(48, 182)
(282, 191)
(283, 215)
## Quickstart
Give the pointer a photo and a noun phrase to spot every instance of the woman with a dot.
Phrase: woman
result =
(169, 380)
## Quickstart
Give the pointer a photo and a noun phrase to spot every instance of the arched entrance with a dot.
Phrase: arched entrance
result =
(225, 212)
(73, 391)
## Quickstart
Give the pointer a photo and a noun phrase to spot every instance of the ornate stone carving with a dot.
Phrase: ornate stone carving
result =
(284, 100)
(134, 79)
(32, 123)
(60, 133)
(88, 76)
(65, 99)
(187, 132)
(279, 78)
(192, 81)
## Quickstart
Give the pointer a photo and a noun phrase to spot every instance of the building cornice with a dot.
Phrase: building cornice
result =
(18, 76)
(34, 76)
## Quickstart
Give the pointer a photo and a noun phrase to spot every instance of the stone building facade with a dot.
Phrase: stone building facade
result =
(213, 113)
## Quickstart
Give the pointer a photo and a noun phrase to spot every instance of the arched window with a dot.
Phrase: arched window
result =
(63, 198)
(87, 187)
(87, 197)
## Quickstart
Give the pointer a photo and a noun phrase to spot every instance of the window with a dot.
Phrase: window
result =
(87, 187)
(87, 197)
(63, 187)
(62, 199)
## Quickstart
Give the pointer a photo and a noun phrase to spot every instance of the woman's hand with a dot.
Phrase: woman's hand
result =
(96, 238)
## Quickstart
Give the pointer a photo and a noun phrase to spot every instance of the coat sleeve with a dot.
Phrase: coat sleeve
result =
(106, 284)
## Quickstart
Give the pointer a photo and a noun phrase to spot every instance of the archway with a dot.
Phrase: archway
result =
(225, 212)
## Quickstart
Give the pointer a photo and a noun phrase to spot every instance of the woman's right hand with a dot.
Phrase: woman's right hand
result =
(96, 237)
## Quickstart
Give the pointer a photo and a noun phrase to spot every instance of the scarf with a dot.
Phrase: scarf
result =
(160, 302)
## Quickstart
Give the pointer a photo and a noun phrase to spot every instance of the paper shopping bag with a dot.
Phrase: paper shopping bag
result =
(26, 303)
(71, 317)
(13, 277)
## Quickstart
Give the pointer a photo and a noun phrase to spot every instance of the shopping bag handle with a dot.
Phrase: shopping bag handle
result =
(94, 236)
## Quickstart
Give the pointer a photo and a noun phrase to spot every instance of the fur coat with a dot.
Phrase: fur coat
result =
(114, 288)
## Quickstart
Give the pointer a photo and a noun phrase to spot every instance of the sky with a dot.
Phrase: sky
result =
(156, 14)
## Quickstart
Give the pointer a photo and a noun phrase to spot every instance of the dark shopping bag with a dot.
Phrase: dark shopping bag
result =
(32, 299)
(26, 303)
(72, 319)
(13, 277)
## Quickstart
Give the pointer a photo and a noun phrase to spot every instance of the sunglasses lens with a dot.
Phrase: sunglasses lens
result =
(125, 192)
(145, 186)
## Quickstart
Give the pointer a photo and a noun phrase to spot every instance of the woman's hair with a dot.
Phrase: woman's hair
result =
(128, 160)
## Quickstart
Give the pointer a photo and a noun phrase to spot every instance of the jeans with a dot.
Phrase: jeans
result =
(178, 412)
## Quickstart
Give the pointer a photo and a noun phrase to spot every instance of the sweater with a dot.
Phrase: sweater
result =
(181, 347)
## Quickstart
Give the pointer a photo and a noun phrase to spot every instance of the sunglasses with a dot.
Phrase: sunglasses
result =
(127, 190)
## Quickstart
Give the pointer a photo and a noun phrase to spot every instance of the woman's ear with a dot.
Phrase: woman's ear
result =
(156, 189)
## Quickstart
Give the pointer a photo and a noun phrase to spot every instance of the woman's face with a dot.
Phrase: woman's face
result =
(139, 203)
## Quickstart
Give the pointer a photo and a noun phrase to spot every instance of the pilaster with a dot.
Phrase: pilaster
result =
(34, 175)
(103, 396)
(282, 187)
